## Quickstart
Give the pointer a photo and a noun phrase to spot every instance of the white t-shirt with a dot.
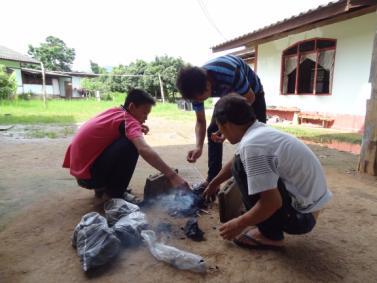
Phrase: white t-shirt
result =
(268, 154)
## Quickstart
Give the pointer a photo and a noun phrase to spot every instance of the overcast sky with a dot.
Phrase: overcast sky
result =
(112, 32)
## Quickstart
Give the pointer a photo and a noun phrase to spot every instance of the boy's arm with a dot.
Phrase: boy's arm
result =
(150, 156)
(269, 202)
(200, 132)
(224, 174)
(250, 96)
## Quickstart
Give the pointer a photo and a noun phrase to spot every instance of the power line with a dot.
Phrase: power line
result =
(209, 18)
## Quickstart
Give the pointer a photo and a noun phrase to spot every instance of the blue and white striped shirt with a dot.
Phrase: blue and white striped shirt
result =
(230, 74)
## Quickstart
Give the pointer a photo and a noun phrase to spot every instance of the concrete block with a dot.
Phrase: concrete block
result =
(155, 185)
(230, 201)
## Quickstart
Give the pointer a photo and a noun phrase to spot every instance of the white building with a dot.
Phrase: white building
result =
(315, 64)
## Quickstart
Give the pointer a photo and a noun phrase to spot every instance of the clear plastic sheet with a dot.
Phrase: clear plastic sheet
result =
(117, 208)
(128, 228)
(177, 258)
(95, 242)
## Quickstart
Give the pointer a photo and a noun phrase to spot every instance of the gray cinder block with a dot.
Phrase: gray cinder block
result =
(230, 201)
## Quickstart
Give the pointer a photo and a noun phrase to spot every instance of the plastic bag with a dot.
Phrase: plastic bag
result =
(178, 258)
(96, 243)
(86, 220)
(116, 208)
(128, 228)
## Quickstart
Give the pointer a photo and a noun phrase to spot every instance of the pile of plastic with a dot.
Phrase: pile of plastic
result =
(98, 239)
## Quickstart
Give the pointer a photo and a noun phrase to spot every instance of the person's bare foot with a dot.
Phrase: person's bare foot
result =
(101, 200)
(253, 239)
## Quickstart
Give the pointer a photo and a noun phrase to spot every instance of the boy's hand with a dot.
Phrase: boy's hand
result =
(217, 137)
(194, 154)
(177, 181)
(210, 192)
(144, 129)
(231, 229)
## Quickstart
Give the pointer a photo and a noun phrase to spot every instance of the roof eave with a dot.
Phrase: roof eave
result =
(319, 17)
(21, 60)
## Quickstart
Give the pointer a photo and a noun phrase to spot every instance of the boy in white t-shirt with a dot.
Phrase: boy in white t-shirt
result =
(281, 180)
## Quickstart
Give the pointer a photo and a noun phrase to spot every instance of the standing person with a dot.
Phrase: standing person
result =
(217, 78)
(281, 181)
(104, 152)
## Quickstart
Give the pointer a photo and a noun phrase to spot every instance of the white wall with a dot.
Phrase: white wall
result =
(75, 86)
(18, 80)
(37, 89)
(62, 86)
(351, 72)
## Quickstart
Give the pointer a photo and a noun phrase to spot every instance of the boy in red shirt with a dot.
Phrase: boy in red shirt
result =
(104, 152)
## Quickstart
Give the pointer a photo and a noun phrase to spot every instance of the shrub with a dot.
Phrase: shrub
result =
(25, 95)
(8, 84)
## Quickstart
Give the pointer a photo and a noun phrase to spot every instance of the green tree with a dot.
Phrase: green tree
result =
(8, 84)
(54, 54)
(141, 74)
(90, 86)
(97, 69)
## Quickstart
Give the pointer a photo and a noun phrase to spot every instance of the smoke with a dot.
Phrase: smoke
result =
(179, 203)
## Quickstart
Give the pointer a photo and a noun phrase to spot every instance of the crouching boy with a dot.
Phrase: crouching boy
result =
(281, 180)
(104, 152)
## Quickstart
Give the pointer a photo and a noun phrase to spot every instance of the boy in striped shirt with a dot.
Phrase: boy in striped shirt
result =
(217, 78)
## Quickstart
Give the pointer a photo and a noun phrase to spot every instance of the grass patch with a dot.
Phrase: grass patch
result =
(40, 134)
(320, 135)
(68, 112)
(74, 111)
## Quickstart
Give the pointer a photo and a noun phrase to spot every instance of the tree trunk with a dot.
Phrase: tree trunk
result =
(368, 154)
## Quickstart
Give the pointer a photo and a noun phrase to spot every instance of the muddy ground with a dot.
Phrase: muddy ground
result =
(40, 204)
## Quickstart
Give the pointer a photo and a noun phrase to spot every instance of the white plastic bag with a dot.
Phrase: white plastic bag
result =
(128, 228)
(96, 243)
(178, 258)
(87, 220)
(117, 208)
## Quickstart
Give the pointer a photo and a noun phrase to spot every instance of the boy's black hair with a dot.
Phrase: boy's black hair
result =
(191, 82)
(235, 109)
(138, 97)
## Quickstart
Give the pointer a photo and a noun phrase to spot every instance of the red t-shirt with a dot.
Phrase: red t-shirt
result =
(94, 136)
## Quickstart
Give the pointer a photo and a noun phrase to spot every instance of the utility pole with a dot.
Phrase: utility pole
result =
(162, 89)
(368, 154)
(44, 85)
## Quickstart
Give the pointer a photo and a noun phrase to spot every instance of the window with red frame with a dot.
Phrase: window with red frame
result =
(308, 67)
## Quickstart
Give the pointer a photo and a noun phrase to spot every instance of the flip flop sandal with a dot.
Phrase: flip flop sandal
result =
(131, 198)
(254, 245)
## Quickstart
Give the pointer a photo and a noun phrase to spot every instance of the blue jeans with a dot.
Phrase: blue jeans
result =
(286, 219)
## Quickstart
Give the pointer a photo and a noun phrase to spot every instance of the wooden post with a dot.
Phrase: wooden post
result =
(368, 154)
(44, 85)
(162, 89)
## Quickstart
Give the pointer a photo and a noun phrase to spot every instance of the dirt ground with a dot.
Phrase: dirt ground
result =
(40, 205)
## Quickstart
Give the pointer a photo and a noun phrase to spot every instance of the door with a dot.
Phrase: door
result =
(68, 89)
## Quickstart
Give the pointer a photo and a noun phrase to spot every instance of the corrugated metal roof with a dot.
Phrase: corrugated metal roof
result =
(48, 73)
(9, 54)
(346, 5)
(60, 74)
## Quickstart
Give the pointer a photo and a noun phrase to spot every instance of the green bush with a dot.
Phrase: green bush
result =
(107, 96)
(25, 95)
(8, 84)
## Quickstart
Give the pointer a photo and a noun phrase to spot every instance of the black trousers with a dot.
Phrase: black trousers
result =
(113, 169)
(286, 219)
(215, 150)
